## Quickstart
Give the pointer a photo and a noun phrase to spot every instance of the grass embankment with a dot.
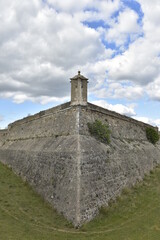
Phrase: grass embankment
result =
(24, 215)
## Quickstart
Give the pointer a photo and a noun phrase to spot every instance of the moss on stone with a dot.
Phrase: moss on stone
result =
(100, 131)
(152, 135)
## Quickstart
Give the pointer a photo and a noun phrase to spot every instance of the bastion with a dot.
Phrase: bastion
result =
(55, 153)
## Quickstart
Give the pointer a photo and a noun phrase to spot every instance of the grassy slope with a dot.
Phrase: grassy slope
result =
(24, 215)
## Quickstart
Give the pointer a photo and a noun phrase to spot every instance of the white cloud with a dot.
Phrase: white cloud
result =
(89, 9)
(153, 122)
(69, 5)
(43, 45)
(151, 10)
(119, 108)
(40, 50)
(157, 123)
(107, 8)
(140, 63)
(153, 89)
(126, 26)
(120, 91)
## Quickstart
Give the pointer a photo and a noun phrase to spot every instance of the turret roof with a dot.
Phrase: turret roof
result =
(79, 76)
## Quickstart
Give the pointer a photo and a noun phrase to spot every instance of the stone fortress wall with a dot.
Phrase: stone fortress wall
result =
(44, 124)
(75, 173)
(55, 153)
(42, 149)
(120, 125)
(107, 169)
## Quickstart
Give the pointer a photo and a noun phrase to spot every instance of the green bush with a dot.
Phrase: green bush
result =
(100, 131)
(152, 135)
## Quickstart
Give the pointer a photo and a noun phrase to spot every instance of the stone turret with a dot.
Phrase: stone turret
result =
(79, 90)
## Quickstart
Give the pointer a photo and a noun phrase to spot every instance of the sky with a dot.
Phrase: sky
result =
(114, 43)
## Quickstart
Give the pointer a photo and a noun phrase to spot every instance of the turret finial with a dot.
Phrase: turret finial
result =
(79, 72)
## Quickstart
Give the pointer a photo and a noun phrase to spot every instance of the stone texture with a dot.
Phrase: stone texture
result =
(75, 173)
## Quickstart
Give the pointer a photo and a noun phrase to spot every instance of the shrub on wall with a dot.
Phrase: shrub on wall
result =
(100, 131)
(152, 135)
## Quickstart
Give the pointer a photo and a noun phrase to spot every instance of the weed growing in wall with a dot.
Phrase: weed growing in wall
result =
(152, 135)
(100, 131)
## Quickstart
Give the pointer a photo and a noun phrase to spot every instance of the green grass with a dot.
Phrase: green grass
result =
(24, 216)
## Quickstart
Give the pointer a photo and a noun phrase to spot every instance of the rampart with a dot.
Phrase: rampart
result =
(107, 169)
(42, 149)
(49, 123)
(54, 151)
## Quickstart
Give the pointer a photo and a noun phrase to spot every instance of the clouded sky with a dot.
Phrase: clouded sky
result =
(115, 43)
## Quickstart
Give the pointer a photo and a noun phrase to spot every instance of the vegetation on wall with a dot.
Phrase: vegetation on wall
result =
(152, 135)
(100, 131)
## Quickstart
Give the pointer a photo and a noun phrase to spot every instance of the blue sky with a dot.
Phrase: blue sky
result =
(115, 43)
